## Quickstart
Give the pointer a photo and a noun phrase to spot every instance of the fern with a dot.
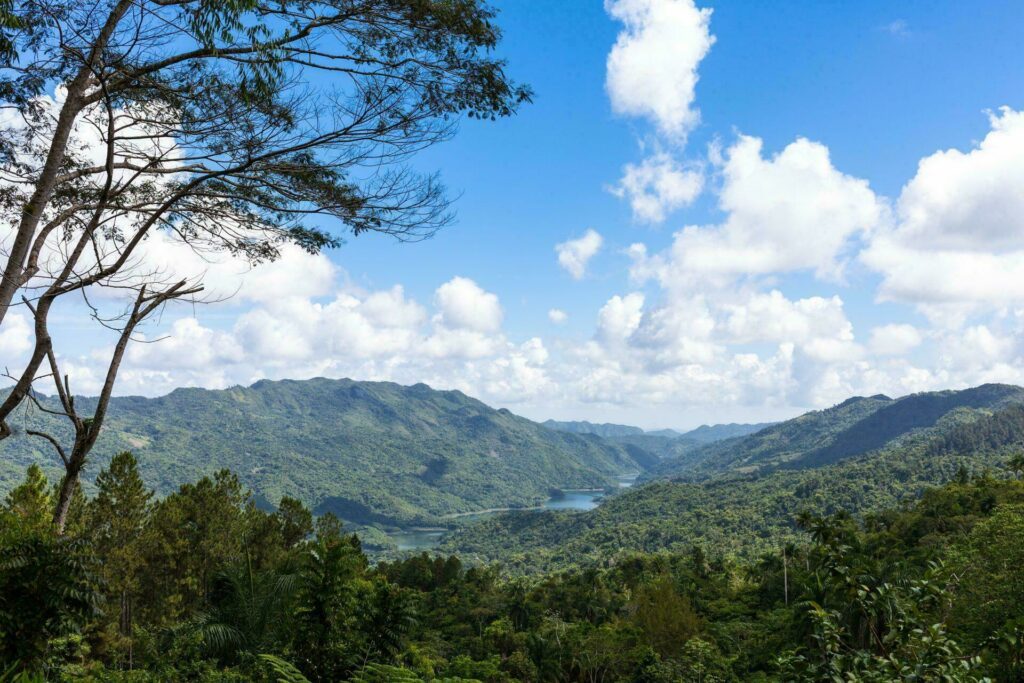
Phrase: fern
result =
(285, 671)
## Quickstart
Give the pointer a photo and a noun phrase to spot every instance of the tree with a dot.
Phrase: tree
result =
(116, 521)
(295, 520)
(30, 501)
(235, 126)
(327, 601)
(665, 616)
(191, 536)
(249, 611)
(991, 560)
(47, 589)
(1016, 463)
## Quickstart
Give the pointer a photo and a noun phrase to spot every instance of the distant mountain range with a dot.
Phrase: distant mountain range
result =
(600, 429)
(741, 495)
(371, 452)
(701, 435)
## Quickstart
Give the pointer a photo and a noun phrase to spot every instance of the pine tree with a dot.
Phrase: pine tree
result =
(118, 516)
(30, 502)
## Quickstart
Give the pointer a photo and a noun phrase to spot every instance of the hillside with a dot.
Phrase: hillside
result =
(854, 427)
(371, 452)
(751, 509)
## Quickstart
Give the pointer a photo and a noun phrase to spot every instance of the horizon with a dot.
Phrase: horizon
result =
(680, 429)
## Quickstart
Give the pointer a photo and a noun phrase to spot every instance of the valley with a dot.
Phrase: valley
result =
(467, 522)
(428, 538)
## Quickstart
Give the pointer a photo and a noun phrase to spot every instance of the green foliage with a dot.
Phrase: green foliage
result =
(283, 671)
(30, 502)
(372, 453)
(224, 591)
(47, 590)
(852, 428)
(748, 513)
(991, 561)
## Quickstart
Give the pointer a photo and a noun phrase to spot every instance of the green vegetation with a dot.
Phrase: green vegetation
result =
(784, 567)
(204, 586)
(855, 427)
(369, 452)
(751, 508)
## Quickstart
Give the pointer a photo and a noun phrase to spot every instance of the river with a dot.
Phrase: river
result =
(570, 499)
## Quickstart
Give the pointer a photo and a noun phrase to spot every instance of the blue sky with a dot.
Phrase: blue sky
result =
(821, 260)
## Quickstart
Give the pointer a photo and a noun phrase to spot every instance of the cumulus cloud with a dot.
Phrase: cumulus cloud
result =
(652, 68)
(652, 73)
(557, 316)
(15, 336)
(380, 334)
(790, 212)
(573, 255)
(620, 317)
(657, 186)
(773, 317)
(959, 235)
(462, 304)
(894, 340)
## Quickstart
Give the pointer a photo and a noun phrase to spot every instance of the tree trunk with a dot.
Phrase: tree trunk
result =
(67, 489)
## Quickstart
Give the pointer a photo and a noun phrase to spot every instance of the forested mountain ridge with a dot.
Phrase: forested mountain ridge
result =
(665, 443)
(720, 432)
(700, 435)
(584, 427)
(371, 452)
(749, 510)
(854, 427)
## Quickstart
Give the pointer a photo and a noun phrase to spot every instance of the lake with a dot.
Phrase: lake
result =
(569, 499)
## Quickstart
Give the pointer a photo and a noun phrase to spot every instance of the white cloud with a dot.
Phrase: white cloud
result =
(791, 212)
(15, 336)
(620, 317)
(657, 186)
(188, 345)
(959, 237)
(773, 317)
(464, 305)
(894, 340)
(557, 316)
(574, 255)
(652, 68)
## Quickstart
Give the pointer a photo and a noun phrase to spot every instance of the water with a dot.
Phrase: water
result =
(571, 499)
(574, 500)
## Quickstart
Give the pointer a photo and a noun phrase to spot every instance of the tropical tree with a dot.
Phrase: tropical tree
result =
(47, 590)
(249, 612)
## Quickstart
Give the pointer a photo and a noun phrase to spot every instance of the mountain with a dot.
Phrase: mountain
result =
(584, 427)
(719, 432)
(741, 497)
(668, 433)
(370, 452)
(701, 435)
(658, 445)
(854, 427)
